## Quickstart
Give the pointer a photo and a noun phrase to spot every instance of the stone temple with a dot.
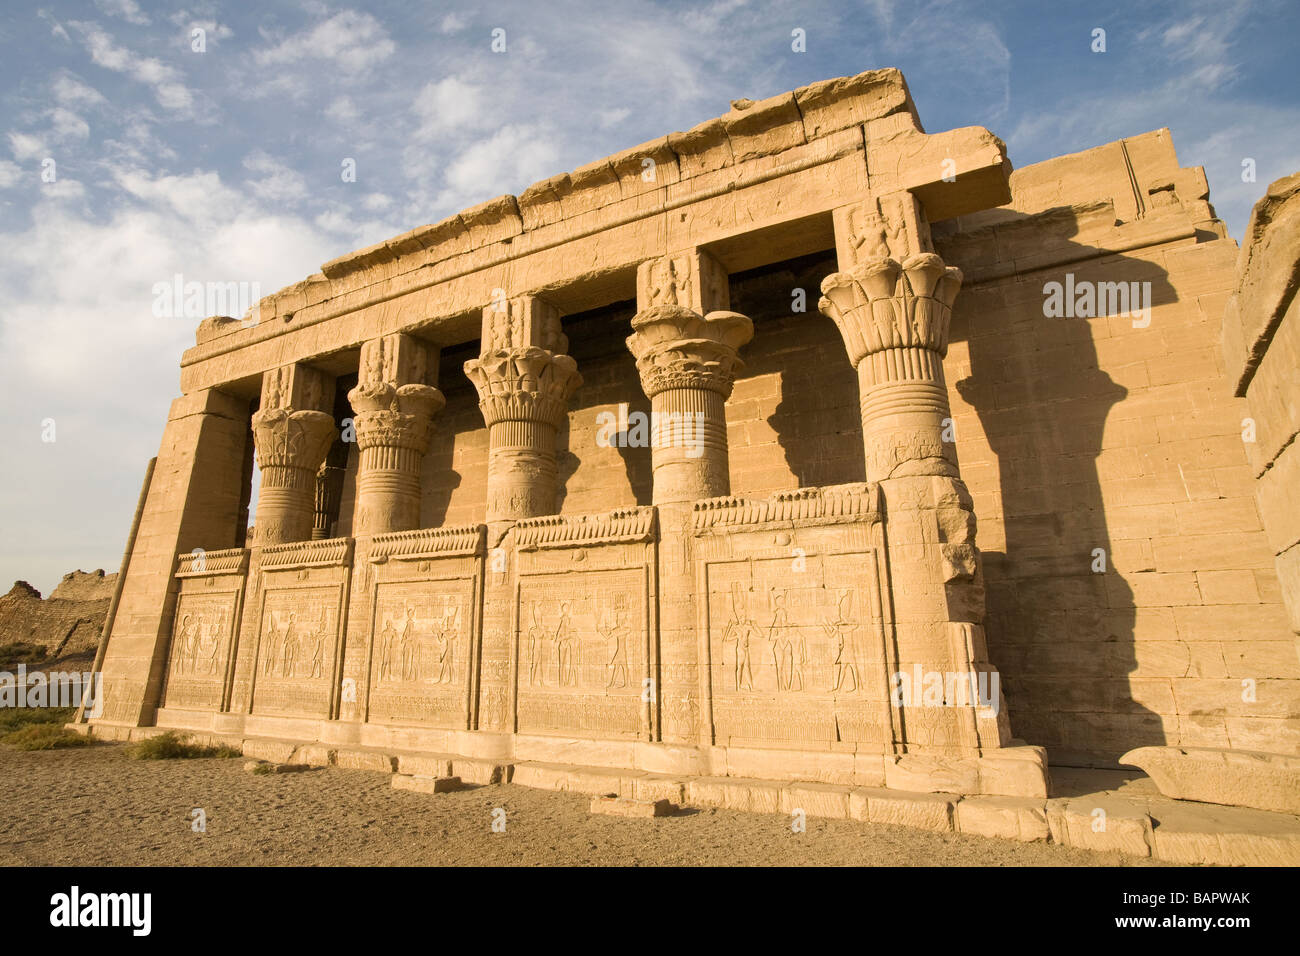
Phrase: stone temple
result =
(674, 464)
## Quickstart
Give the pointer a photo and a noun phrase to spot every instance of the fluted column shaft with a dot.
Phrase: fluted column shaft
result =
(394, 406)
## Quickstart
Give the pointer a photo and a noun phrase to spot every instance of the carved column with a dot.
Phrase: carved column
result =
(686, 343)
(292, 434)
(394, 403)
(329, 489)
(524, 381)
(892, 301)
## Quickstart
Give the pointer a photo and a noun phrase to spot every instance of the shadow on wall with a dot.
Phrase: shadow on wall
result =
(812, 413)
(597, 476)
(1060, 618)
(458, 418)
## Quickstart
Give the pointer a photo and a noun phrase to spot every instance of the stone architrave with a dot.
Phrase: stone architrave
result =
(292, 435)
(686, 346)
(892, 303)
(524, 381)
(394, 403)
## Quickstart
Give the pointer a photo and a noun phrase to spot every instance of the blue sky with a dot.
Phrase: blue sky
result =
(225, 164)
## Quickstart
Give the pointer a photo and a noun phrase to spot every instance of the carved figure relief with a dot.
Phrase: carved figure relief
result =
(199, 650)
(582, 653)
(420, 651)
(296, 649)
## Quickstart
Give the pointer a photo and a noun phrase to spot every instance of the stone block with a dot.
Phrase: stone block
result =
(1238, 778)
(923, 811)
(816, 800)
(426, 784)
(1008, 818)
(628, 807)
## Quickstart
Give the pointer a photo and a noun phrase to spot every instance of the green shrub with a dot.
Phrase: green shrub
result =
(44, 737)
(20, 652)
(14, 718)
(172, 746)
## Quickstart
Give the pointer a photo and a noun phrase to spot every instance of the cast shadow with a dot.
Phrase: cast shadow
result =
(1060, 619)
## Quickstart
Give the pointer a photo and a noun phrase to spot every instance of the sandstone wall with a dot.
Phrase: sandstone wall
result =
(1261, 338)
(1076, 434)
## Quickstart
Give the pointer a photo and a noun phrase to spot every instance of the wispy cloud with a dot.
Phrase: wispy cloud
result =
(165, 80)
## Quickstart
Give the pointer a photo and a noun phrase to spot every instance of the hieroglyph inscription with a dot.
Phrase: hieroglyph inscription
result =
(420, 651)
(796, 656)
(296, 648)
(582, 652)
(200, 648)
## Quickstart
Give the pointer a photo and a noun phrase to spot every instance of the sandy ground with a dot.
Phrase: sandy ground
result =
(95, 806)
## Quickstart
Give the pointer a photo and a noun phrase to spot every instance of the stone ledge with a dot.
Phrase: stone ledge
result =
(1235, 778)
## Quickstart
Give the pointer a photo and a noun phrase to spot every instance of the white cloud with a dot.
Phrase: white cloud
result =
(79, 343)
(275, 182)
(449, 105)
(612, 117)
(65, 124)
(25, 146)
(70, 91)
(511, 158)
(165, 80)
(11, 174)
(342, 110)
(127, 10)
(214, 32)
(197, 198)
(452, 23)
(352, 41)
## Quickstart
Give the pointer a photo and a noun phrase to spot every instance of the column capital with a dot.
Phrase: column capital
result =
(394, 404)
(882, 304)
(292, 439)
(398, 416)
(676, 347)
(525, 384)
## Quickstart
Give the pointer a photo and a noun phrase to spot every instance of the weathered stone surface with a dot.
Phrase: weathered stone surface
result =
(426, 784)
(67, 622)
(924, 811)
(1010, 818)
(629, 807)
(1239, 778)
(1101, 823)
